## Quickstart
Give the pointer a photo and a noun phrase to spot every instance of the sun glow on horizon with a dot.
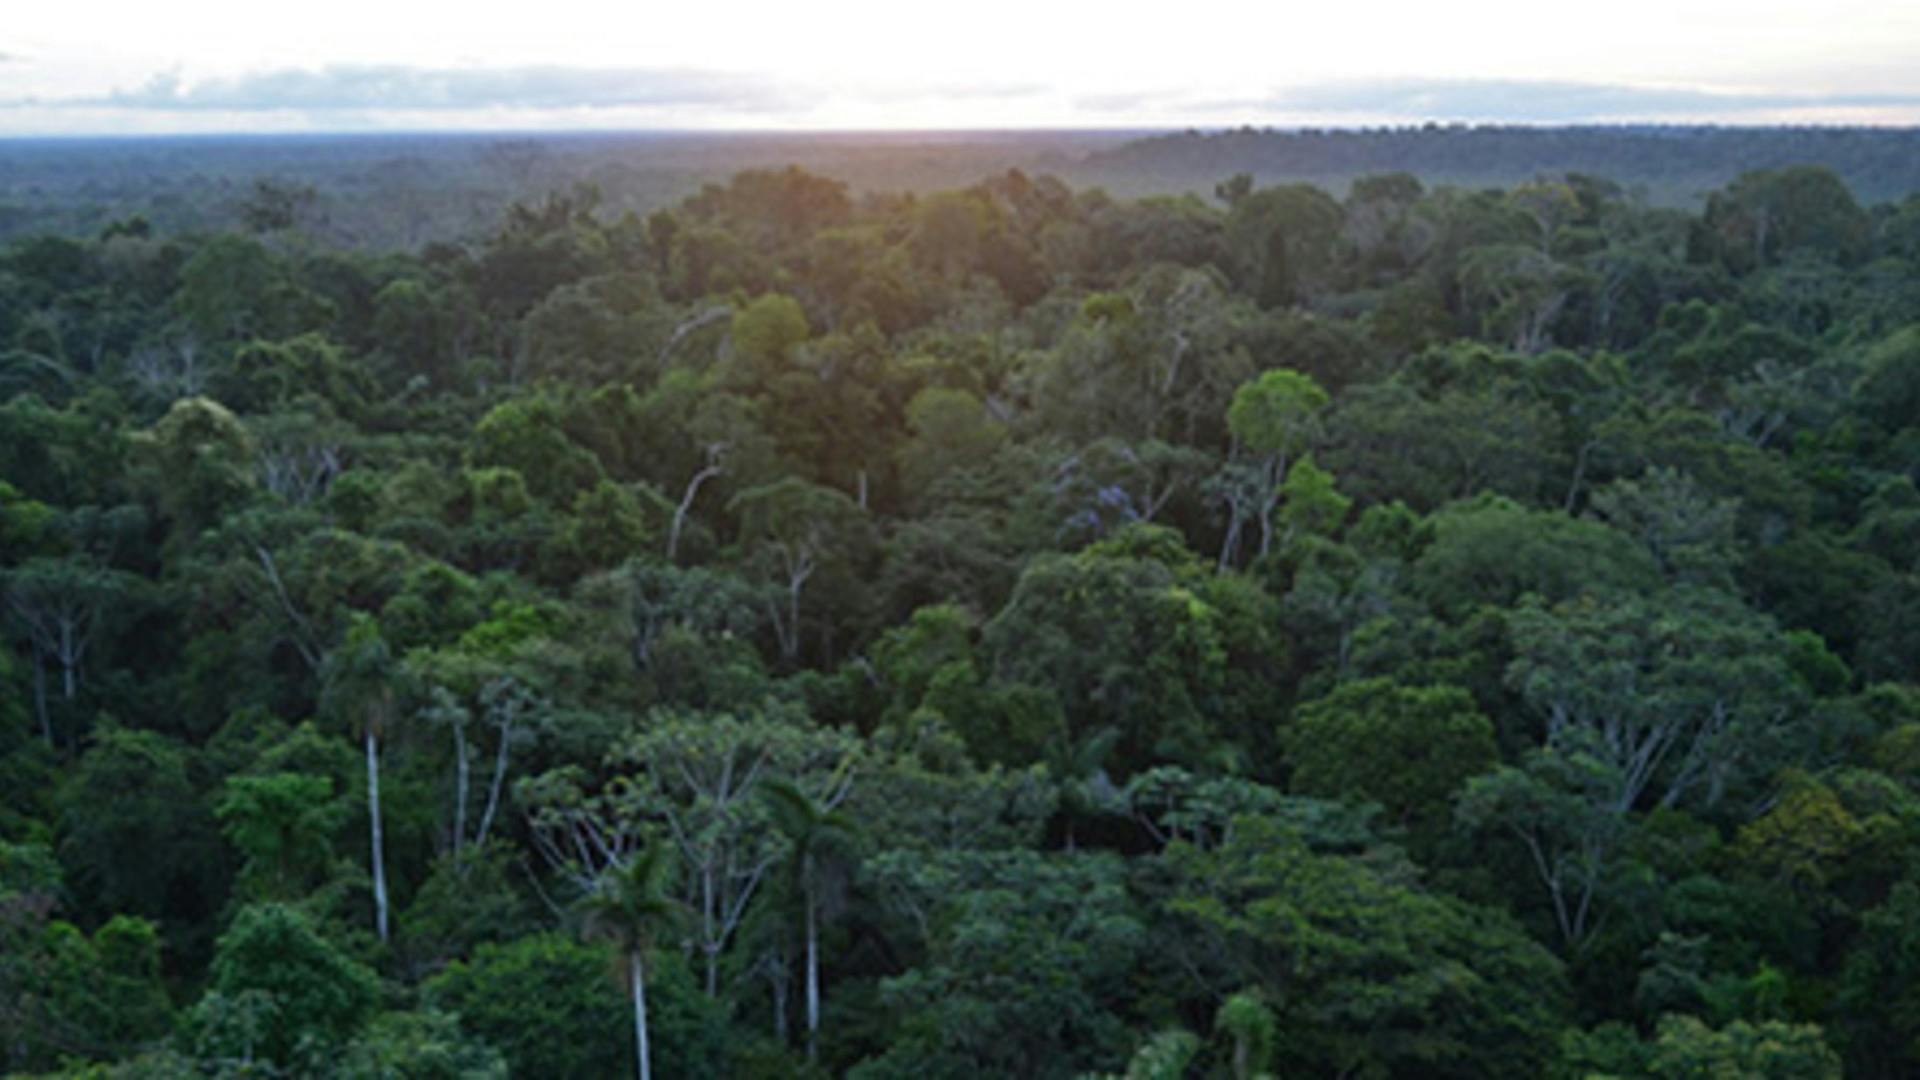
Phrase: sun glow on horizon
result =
(220, 65)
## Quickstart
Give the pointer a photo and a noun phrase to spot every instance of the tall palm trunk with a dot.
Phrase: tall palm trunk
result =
(379, 859)
(813, 981)
(638, 976)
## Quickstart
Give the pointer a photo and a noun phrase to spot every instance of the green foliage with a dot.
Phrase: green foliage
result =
(306, 996)
(1367, 972)
(799, 597)
(134, 834)
(1271, 414)
(1406, 748)
(1171, 657)
(283, 824)
(526, 435)
(418, 1046)
(72, 995)
(553, 1007)
(1032, 960)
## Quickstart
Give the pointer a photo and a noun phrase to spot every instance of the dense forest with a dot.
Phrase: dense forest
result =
(1007, 631)
(1673, 165)
(380, 192)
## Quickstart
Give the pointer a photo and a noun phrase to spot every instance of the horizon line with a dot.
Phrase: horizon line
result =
(958, 131)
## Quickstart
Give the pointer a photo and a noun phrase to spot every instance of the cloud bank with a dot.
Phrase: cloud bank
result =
(363, 96)
(363, 87)
(1549, 101)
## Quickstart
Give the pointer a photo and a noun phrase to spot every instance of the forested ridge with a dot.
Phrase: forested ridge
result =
(378, 192)
(1011, 631)
(1673, 164)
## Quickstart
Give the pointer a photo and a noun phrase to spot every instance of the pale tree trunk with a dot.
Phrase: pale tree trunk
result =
(813, 981)
(69, 659)
(778, 980)
(1579, 474)
(40, 697)
(636, 973)
(379, 859)
(460, 771)
(713, 468)
(1230, 546)
(1273, 474)
(499, 781)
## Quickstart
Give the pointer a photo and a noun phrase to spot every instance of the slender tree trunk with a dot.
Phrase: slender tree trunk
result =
(69, 660)
(780, 991)
(40, 697)
(460, 770)
(379, 859)
(1274, 472)
(813, 981)
(709, 944)
(1579, 475)
(792, 641)
(639, 977)
(493, 789)
(1230, 546)
(711, 470)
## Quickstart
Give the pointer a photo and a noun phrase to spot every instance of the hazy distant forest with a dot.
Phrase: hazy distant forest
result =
(1395, 629)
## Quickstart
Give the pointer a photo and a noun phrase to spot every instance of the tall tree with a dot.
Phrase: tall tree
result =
(358, 688)
(61, 604)
(630, 906)
(1272, 419)
(820, 846)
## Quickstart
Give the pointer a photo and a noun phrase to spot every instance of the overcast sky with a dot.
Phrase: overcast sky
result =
(134, 66)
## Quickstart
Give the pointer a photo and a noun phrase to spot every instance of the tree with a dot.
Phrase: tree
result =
(1648, 702)
(283, 823)
(1133, 633)
(697, 778)
(1369, 974)
(1764, 215)
(629, 907)
(1877, 1004)
(1284, 238)
(357, 688)
(546, 1003)
(314, 996)
(1027, 961)
(1683, 696)
(199, 460)
(134, 834)
(62, 605)
(1772, 1050)
(951, 429)
(819, 845)
(1272, 419)
(1245, 1018)
(1688, 532)
(526, 434)
(1407, 748)
(64, 994)
(793, 530)
(424, 1045)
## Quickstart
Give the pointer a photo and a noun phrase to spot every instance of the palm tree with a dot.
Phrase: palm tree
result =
(356, 684)
(821, 842)
(1077, 768)
(1247, 1020)
(629, 906)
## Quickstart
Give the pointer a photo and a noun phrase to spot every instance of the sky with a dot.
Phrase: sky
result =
(89, 67)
